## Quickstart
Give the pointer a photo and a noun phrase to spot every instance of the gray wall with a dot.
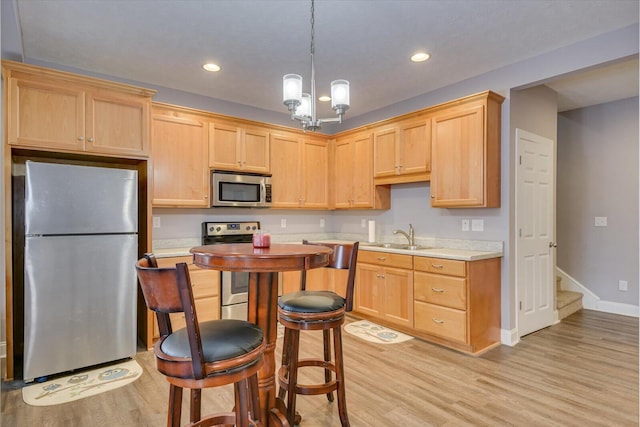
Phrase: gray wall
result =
(598, 176)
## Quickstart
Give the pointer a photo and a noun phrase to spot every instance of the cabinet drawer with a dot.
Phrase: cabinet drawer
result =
(441, 266)
(386, 259)
(204, 282)
(441, 290)
(441, 321)
(172, 261)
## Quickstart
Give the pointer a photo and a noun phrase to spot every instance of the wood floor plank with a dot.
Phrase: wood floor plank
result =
(580, 372)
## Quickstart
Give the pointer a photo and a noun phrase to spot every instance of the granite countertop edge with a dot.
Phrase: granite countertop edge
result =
(461, 254)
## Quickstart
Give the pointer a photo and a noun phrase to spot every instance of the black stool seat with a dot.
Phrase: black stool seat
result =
(311, 301)
(221, 340)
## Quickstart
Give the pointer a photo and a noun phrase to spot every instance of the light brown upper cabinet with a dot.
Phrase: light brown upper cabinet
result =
(402, 152)
(353, 174)
(58, 111)
(180, 153)
(465, 152)
(300, 171)
(241, 149)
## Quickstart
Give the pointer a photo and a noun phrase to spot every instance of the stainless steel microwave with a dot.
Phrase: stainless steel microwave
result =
(240, 190)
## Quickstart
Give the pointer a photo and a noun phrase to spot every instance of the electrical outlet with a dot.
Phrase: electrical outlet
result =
(321, 222)
(283, 223)
(465, 225)
(363, 223)
(600, 221)
(156, 222)
(477, 225)
(623, 285)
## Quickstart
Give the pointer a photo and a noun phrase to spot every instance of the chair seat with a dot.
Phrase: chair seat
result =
(311, 302)
(221, 340)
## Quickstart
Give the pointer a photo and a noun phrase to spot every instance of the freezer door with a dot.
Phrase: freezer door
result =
(71, 199)
(79, 302)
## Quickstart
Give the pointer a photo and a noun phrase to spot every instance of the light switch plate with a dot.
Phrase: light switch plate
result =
(321, 222)
(283, 223)
(477, 225)
(465, 225)
(156, 222)
(600, 221)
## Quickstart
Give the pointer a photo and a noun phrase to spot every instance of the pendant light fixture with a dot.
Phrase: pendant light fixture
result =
(302, 106)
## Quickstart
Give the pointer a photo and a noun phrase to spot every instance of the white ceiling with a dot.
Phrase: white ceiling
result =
(365, 41)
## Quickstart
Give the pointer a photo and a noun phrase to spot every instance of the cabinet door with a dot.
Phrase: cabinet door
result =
(457, 176)
(368, 290)
(362, 165)
(286, 161)
(117, 124)
(46, 115)
(415, 147)
(224, 147)
(398, 296)
(255, 151)
(180, 170)
(315, 174)
(343, 174)
(384, 152)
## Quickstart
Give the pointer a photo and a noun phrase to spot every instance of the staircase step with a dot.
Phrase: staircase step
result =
(567, 303)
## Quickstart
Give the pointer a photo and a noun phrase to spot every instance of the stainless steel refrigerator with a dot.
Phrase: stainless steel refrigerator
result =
(80, 288)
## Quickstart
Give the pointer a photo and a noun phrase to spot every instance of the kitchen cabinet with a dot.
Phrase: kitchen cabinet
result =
(353, 175)
(241, 149)
(402, 151)
(62, 112)
(300, 172)
(457, 303)
(384, 287)
(465, 153)
(318, 279)
(206, 294)
(180, 162)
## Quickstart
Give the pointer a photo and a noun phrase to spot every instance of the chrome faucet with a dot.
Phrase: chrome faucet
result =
(410, 237)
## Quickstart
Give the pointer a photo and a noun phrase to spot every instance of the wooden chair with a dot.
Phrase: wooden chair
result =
(316, 310)
(202, 355)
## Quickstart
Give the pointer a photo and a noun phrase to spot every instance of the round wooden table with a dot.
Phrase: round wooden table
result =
(263, 266)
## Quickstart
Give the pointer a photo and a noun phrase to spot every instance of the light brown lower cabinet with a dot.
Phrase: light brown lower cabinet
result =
(206, 294)
(453, 303)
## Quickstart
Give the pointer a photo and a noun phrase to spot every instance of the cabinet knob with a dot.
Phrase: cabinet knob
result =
(81, 138)
(381, 258)
(437, 320)
(438, 290)
(433, 196)
(90, 139)
(438, 266)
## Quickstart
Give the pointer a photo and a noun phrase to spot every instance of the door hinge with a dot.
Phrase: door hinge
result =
(520, 305)
(520, 160)
(519, 232)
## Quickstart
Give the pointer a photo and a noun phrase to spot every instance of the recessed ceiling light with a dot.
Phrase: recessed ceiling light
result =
(420, 57)
(324, 98)
(211, 67)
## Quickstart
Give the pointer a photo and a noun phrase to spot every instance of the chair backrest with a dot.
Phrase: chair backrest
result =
(168, 290)
(343, 257)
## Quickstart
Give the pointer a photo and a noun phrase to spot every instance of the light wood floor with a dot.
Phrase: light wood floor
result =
(581, 372)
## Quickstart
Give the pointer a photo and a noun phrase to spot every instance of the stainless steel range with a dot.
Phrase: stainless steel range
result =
(234, 286)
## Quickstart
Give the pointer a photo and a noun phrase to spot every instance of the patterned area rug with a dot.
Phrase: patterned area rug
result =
(82, 384)
(375, 333)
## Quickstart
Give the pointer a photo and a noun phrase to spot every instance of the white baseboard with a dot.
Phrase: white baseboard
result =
(509, 337)
(591, 301)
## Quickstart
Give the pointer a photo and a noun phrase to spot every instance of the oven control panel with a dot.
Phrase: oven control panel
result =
(229, 228)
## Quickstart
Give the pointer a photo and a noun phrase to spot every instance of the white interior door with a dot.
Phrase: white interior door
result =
(535, 219)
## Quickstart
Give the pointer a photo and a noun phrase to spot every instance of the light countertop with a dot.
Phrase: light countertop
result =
(447, 253)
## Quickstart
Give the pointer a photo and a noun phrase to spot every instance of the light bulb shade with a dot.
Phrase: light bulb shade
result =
(304, 109)
(340, 95)
(292, 90)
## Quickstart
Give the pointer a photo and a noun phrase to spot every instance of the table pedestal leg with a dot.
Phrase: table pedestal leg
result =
(263, 306)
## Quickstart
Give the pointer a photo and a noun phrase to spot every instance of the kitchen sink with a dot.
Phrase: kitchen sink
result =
(399, 246)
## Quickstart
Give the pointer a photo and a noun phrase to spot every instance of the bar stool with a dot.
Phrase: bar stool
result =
(201, 355)
(316, 310)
